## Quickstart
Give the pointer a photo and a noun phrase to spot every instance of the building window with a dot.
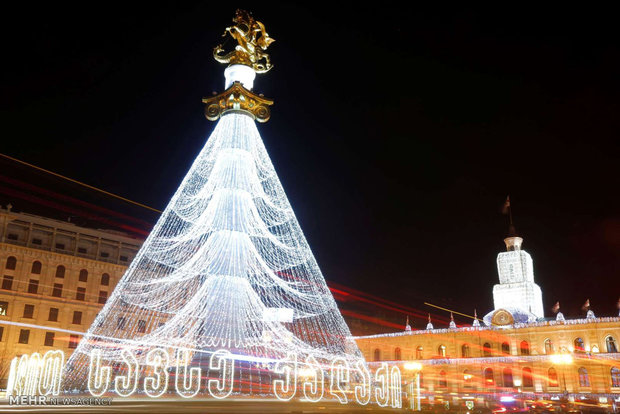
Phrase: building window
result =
(552, 376)
(612, 346)
(105, 279)
(579, 345)
(105, 254)
(506, 348)
(443, 382)
(28, 311)
(549, 347)
(120, 324)
(57, 291)
(49, 339)
(12, 236)
(60, 272)
(77, 317)
(525, 348)
(83, 275)
(615, 376)
(80, 294)
(82, 250)
(441, 350)
(24, 335)
(73, 341)
(488, 377)
(467, 379)
(60, 246)
(377, 354)
(38, 242)
(141, 326)
(53, 315)
(486, 350)
(123, 258)
(465, 351)
(36, 268)
(7, 282)
(584, 378)
(397, 354)
(1, 332)
(33, 286)
(508, 378)
(103, 296)
(11, 263)
(419, 352)
(4, 308)
(528, 380)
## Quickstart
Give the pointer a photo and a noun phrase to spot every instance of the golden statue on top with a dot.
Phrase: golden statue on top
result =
(252, 41)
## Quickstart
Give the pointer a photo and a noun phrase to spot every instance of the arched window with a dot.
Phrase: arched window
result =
(11, 263)
(525, 348)
(443, 382)
(397, 354)
(508, 378)
(467, 379)
(488, 377)
(105, 279)
(579, 345)
(584, 378)
(506, 348)
(528, 380)
(421, 377)
(83, 275)
(441, 351)
(419, 352)
(36, 268)
(612, 346)
(465, 351)
(60, 271)
(552, 376)
(548, 346)
(486, 350)
(615, 377)
(377, 354)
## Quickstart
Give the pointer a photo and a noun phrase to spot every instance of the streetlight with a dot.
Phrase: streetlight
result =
(415, 367)
(563, 360)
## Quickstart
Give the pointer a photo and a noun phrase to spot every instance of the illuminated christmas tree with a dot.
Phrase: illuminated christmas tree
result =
(227, 266)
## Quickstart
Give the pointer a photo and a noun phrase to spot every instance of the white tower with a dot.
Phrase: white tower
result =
(516, 288)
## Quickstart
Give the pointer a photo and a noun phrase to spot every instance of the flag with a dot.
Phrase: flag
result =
(556, 307)
(586, 306)
(506, 206)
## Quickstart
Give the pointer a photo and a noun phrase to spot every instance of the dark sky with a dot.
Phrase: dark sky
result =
(397, 132)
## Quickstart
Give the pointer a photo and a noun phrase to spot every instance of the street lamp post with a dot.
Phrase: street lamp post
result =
(415, 367)
(563, 360)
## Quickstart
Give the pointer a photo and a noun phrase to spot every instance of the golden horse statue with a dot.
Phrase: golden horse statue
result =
(252, 41)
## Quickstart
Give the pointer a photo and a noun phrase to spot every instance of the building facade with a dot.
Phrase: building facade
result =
(516, 354)
(55, 275)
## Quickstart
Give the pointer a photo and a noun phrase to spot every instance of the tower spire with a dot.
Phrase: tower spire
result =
(407, 326)
(476, 322)
(452, 323)
(429, 325)
(512, 240)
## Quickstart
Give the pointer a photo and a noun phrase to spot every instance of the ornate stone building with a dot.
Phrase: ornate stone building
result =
(515, 354)
(55, 275)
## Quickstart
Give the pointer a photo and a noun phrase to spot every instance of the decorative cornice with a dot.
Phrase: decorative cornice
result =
(237, 98)
(568, 322)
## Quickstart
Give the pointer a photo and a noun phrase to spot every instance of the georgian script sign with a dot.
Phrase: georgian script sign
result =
(307, 380)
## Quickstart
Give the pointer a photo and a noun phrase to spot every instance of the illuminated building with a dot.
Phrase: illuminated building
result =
(511, 355)
(54, 274)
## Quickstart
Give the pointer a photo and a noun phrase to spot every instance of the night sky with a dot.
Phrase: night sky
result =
(397, 133)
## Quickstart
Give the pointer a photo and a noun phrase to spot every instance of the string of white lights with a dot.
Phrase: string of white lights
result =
(225, 267)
